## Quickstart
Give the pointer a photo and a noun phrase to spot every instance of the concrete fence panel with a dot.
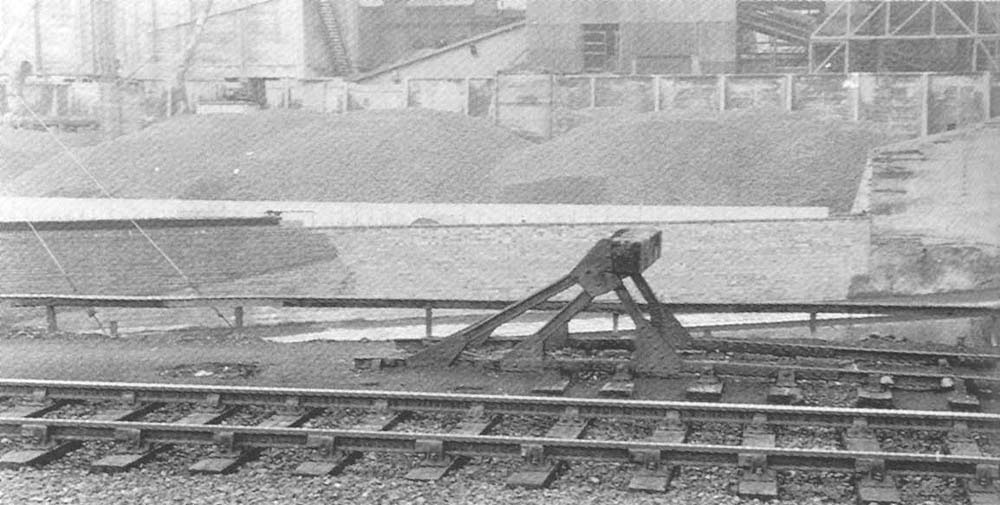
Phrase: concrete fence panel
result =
(376, 97)
(633, 93)
(897, 101)
(825, 94)
(955, 101)
(690, 93)
(545, 105)
(756, 92)
(482, 98)
(525, 103)
(450, 95)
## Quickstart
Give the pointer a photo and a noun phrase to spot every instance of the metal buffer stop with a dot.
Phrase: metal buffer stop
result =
(626, 254)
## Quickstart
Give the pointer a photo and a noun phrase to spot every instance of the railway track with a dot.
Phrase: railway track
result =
(666, 437)
(44, 392)
(811, 348)
(972, 372)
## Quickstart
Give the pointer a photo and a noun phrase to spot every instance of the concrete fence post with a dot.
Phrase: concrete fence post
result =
(495, 101)
(550, 126)
(54, 104)
(656, 93)
(429, 321)
(722, 92)
(113, 328)
(925, 98)
(467, 106)
(855, 96)
(987, 90)
(812, 323)
(614, 322)
(238, 317)
(593, 92)
(994, 329)
(789, 92)
(50, 318)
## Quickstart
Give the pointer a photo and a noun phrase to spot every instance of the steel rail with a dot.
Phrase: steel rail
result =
(916, 307)
(830, 349)
(608, 339)
(246, 437)
(749, 368)
(404, 401)
(743, 368)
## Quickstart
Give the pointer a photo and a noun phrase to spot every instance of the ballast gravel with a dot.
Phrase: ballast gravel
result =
(377, 478)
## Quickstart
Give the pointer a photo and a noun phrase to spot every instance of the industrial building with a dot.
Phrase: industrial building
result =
(752, 36)
(636, 36)
(305, 39)
(877, 36)
(297, 39)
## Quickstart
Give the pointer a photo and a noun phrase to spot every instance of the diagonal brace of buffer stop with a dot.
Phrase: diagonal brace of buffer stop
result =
(626, 254)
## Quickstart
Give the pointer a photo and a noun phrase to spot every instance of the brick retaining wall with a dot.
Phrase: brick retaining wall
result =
(714, 261)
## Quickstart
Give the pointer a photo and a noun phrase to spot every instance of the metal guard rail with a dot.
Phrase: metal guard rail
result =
(838, 307)
(887, 310)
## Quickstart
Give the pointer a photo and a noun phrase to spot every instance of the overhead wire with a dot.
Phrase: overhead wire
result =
(107, 194)
(69, 279)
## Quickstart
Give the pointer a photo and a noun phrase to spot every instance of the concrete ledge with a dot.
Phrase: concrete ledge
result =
(348, 214)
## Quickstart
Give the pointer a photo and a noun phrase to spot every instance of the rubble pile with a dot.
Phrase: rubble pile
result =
(732, 158)
(21, 150)
(367, 156)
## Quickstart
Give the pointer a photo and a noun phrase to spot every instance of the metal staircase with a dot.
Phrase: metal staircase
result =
(334, 39)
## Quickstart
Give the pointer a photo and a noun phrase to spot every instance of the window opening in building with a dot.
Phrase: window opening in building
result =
(600, 47)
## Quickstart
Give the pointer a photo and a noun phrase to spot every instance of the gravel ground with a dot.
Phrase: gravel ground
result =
(247, 416)
(832, 394)
(371, 480)
(796, 437)
(334, 419)
(169, 413)
(925, 490)
(988, 444)
(323, 364)
(620, 429)
(529, 426)
(715, 434)
(78, 410)
(816, 487)
(428, 423)
(378, 478)
(928, 442)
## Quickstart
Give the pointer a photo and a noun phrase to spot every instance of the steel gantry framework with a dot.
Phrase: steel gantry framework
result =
(902, 36)
(882, 36)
